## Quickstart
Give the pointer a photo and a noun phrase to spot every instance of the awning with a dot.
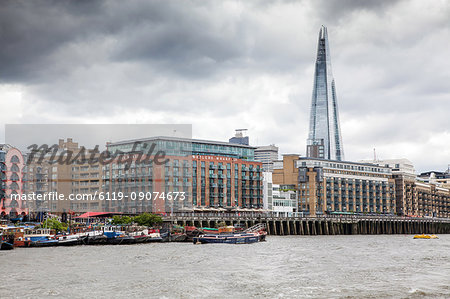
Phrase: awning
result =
(96, 214)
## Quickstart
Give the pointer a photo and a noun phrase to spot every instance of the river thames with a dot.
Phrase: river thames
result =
(376, 266)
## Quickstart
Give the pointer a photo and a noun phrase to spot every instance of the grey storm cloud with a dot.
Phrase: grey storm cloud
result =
(222, 65)
(188, 40)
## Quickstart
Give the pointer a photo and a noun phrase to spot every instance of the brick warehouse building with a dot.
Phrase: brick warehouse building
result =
(414, 196)
(11, 171)
(327, 186)
(384, 187)
(44, 175)
(214, 176)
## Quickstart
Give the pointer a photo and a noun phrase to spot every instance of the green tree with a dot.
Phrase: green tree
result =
(121, 220)
(147, 219)
(53, 223)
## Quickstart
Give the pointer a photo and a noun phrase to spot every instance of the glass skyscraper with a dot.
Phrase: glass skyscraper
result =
(324, 139)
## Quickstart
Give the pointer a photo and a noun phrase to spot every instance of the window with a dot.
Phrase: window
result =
(13, 186)
(14, 177)
(14, 204)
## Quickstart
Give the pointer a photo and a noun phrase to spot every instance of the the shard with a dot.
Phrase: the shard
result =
(324, 139)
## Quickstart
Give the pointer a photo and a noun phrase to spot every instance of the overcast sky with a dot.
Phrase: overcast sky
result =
(222, 65)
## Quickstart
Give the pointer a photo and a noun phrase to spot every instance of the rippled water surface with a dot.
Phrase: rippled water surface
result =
(292, 266)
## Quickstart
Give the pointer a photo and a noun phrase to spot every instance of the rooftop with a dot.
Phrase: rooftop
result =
(343, 162)
(179, 139)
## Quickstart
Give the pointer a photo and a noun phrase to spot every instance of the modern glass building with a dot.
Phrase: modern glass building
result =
(324, 139)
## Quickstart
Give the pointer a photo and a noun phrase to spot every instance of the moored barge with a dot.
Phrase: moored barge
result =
(227, 235)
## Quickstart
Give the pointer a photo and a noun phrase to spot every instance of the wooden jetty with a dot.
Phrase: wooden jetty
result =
(324, 225)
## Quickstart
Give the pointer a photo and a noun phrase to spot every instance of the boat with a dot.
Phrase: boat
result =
(191, 232)
(423, 236)
(17, 236)
(163, 237)
(177, 234)
(94, 239)
(68, 240)
(141, 238)
(16, 219)
(227, 235)
(6, 245)
(19, 241)
(260, 229)
(41, 237)
(155, 235)
(44, 243)
(121, 239)
(115, 236)
(209, 230)
(178, 237)
(40, 234)
(6, 239)
(239, 238)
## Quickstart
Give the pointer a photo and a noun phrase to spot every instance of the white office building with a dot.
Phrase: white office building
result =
(266, 154)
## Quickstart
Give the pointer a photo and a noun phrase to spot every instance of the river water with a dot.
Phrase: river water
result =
(359, 266)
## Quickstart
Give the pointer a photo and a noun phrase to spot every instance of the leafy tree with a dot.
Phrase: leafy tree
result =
(147, 219)
(53, 223)
(121, 220)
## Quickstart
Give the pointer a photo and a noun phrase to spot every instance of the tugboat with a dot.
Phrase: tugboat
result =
(16, 235)
(41, 237)
(228, 235)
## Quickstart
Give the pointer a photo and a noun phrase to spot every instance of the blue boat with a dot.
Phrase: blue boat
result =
(35, 235)
(44, 243)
